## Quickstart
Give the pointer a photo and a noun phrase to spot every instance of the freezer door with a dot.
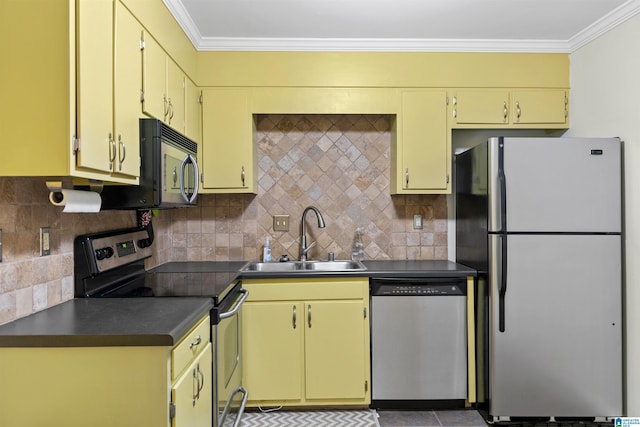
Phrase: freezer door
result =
(555, 184)
(560, 349)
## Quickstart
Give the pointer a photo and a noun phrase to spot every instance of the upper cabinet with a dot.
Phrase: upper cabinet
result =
(164, 86)
(504, 108)
(193, 111)
(549, 108)
(61, 95)
(228, 160)
(421, 144)
(108, 89)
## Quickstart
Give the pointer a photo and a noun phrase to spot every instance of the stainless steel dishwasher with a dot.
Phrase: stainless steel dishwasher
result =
(418, 343)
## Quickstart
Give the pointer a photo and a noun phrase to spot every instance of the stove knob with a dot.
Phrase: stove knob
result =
(104, 253)
(144, 243)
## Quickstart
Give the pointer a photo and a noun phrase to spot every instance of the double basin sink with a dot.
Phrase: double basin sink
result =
(303, 266)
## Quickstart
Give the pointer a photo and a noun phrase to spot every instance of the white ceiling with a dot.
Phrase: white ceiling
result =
(399, 25)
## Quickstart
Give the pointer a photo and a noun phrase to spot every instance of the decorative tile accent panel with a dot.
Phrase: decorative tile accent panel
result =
(338, 163)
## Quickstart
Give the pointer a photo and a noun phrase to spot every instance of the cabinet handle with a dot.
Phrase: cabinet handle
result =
(309, 315)
(196, 385)
(505, 112)
(166, 107)
(122, 150)
(406, 178)
(518, 111)
(243, 175)
(112, 150)
(295, 318)
(196, 343)
(170, 110)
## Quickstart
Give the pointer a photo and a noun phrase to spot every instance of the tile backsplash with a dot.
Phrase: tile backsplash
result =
(338, 163)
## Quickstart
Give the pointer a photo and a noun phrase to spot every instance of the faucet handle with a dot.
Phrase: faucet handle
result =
(331, 256)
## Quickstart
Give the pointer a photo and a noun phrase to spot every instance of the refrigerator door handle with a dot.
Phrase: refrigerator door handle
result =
(502, 188)
(502, 281)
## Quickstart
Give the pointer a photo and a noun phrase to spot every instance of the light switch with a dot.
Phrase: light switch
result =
(281, 223)
(45, 241)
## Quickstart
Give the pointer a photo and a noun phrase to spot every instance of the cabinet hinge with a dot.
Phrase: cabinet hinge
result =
(141, 95)
(364, 312)
(447, 178)
(76, 145)
(141, 44)
(366, 386)
(202, 178)
(200, 98)
(172, 410)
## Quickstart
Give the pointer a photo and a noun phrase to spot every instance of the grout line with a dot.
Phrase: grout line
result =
(437, 418)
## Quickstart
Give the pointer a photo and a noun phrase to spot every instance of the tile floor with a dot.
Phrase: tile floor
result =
(444, 418)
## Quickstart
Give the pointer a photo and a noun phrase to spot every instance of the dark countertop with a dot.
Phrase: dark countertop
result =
(99, 322)
(185, 292)
(417, 268)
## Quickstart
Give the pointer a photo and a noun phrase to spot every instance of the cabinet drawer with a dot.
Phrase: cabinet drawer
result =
(186, 351)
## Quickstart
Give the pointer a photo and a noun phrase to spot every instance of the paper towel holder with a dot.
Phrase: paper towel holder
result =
(55, 186)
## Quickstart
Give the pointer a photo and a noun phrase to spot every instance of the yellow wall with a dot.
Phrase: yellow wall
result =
(383, 69)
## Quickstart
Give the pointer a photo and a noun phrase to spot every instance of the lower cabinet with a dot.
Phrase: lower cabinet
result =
(306, 342)
(191, 393)
(142, 386)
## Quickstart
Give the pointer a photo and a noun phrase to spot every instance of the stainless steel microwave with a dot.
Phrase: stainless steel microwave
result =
(168, 172)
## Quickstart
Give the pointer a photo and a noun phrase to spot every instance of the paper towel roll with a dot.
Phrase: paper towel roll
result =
(76, 200)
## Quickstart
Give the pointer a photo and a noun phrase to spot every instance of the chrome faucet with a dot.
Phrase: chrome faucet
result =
(303, 234)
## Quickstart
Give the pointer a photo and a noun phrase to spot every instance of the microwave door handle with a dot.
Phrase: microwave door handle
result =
(183, 192)
(196, 174)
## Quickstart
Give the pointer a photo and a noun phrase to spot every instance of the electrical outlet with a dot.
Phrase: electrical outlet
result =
(417, 222)
(281, 223)
(45, 241)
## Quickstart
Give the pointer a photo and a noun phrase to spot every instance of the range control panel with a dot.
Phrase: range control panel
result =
(418, 289)
(111, 251)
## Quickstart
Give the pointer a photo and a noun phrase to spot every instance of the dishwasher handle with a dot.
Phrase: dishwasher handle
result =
(235, 309)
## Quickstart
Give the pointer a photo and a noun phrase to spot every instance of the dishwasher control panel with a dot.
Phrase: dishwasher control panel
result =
(409, 288)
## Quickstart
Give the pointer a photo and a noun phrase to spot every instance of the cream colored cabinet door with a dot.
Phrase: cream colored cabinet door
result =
(272, 348)
(480, 107)
(175, 112)
(154, 78)
(191, 394)
(422, 151)
(539, 107)
(228, 160)
(94, 122)
(127, 91)
(335, 350)
(193, 112)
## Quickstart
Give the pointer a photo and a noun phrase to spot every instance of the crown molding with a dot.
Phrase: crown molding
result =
(608, 22)
(600, 27)
(381, 45)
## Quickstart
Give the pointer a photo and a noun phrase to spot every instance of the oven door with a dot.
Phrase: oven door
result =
(179, 176)
(231, 397)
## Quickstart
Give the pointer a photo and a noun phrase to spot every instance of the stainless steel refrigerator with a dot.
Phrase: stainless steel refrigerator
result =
(541, 219)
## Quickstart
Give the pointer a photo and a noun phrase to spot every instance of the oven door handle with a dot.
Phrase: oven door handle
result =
(227, 408)
(235, 309)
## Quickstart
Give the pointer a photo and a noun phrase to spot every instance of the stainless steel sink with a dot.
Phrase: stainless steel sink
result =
(303, 266)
